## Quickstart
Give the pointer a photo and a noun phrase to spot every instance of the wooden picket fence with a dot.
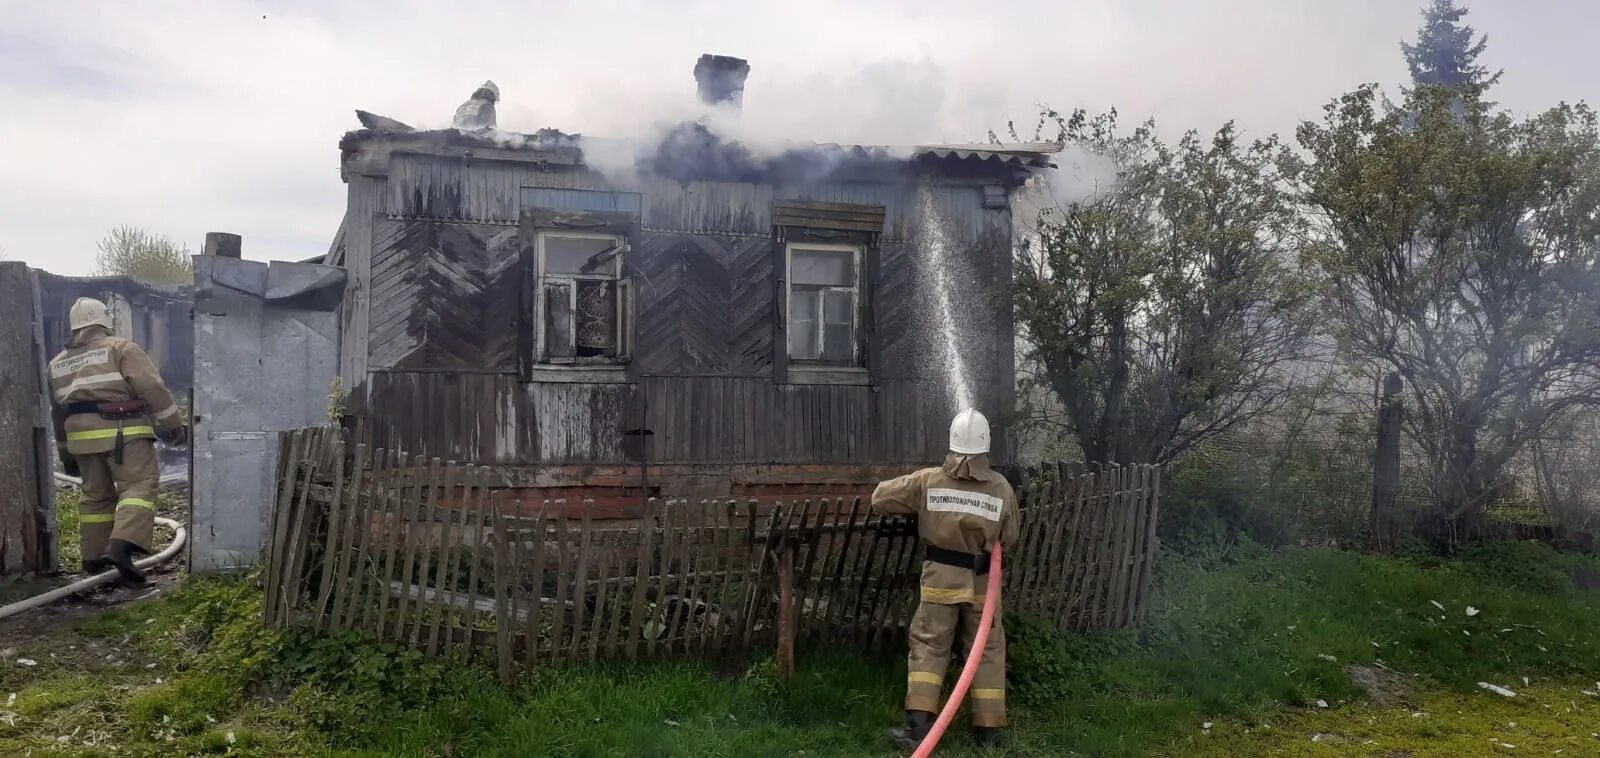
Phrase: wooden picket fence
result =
(427, 554)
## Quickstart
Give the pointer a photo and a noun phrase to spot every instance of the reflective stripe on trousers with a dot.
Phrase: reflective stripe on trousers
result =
(106, 434)
(936, 629)
(118, 500)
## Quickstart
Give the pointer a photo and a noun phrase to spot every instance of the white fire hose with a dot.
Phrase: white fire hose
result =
(179, 534)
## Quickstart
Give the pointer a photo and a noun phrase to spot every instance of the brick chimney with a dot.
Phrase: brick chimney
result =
(721, 79)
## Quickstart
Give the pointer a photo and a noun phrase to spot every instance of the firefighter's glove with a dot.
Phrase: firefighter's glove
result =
(178, 436)
(69, 464)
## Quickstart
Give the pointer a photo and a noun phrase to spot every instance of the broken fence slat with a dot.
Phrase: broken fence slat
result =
(841, 547)
(538, 565)
(503, 626)
(289, 450)
(621, 598)
(330, 547)
(299, 532)
(602, 570)
(580, 590)
(558, 627)
(445, 552)
(426, 523)
(394, 523)
(697, 610)
(344, 585)
(681, 552)
(655, 628)
(647, 532)
(412, 524)
(480, 533)
(454, 546)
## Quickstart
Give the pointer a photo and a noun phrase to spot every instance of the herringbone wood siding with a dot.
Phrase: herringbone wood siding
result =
(444, 296)
(705, 305)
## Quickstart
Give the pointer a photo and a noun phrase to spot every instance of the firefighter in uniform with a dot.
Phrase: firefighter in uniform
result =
(962, 508)
(110, 404)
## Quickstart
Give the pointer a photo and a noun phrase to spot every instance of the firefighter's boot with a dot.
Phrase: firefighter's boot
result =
(120, 553)
(907, 738)
(989, 737)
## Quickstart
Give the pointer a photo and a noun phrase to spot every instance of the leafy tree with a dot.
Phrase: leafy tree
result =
(1461, 249)
(1163, 308)
(145, 257)
(1446, 53)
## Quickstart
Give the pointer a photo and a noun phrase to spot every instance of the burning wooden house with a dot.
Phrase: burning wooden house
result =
(712, 320)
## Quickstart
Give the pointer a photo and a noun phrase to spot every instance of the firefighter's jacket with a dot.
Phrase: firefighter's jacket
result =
(962, 506)
(99, 368)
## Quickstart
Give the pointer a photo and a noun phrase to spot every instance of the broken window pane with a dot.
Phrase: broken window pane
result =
(558, 320)
(822, 267)
(589, 256)
(803, 311)
(596, 316)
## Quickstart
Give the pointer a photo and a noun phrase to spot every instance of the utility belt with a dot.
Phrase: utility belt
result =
(118, 411)
(976, 563)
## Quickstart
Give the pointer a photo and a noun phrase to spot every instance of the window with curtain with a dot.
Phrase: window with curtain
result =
(582, 298)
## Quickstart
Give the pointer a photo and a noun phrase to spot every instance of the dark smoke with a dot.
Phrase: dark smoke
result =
(690, 152)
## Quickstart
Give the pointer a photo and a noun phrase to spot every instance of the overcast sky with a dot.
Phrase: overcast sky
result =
(186, 117)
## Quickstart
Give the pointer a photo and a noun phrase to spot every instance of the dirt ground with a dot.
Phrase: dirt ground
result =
(33, 625)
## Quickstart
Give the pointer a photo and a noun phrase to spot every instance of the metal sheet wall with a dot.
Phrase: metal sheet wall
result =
(244, 312)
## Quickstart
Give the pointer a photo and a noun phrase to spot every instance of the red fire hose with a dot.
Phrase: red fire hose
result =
(974, 655)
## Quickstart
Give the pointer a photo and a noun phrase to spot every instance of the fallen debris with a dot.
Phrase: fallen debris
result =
(1497, 689)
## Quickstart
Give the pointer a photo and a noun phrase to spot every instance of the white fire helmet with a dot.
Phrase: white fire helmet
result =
(493, 90)
(969, 433)
(88, 311)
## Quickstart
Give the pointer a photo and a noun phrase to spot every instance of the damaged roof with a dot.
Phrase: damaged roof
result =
(691, 151)
(126, 285)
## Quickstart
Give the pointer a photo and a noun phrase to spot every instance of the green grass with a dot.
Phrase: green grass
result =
(67, 529)
(1542, 719)
(1243, 644)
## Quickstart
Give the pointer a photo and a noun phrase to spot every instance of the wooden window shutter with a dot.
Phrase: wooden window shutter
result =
(525, 304)
(868, 334)
(780, 309)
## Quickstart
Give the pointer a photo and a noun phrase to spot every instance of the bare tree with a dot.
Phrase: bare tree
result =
(1462, 250)
(1164, 308)
(146, 257)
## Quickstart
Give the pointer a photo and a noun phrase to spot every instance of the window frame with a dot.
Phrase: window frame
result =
(857, 253)
(540, 315)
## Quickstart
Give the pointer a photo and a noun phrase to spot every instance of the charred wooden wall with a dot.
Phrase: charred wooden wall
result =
(496, 418)
(438, 293)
